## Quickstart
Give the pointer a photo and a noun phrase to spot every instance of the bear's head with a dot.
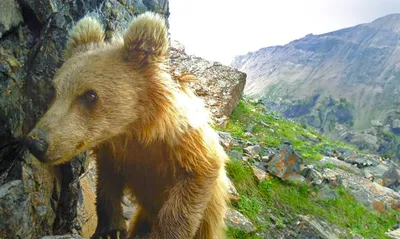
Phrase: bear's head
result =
(102, 88)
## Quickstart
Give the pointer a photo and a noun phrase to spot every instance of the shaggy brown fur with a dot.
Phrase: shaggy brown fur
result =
(149, 134)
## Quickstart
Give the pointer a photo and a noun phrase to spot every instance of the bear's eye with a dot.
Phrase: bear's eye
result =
(89, 98)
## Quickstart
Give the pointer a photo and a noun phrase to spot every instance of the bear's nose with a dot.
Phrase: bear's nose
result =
(37, 143)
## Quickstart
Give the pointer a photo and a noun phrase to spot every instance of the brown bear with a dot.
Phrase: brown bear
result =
(148, 133)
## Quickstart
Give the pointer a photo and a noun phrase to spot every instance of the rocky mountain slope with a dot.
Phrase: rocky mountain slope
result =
(287, 180)
(294, 183)
(347, 78)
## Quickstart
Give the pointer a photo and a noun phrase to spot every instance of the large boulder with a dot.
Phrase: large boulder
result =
(36, 200)
(286, 163)
(370, 194)
(220, 86)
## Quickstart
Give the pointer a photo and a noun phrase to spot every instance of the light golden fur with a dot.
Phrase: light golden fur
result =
(148, 133)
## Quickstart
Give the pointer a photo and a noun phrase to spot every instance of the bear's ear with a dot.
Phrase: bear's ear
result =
(85, 34)
(146, 39)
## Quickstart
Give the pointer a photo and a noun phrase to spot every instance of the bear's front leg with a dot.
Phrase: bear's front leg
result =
(181, 215)
(110, 186)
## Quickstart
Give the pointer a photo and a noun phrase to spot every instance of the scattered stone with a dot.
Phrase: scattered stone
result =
(331, 177)
(375, 172)
(285, 164)
(236, 220)
(340, 164)
(260, 174)
(326, 193)
(391, 177)
(234, 154)
(363, 160)
(245, 158)
(270, 152)
(266, 158)
(394, 234)
(370, 194)
(312, 175)
(345, 153)
(233, 193)
(225, 139)
(247, 135)
(328, 151)
(319, 227)
(368, 175)
(253, 150)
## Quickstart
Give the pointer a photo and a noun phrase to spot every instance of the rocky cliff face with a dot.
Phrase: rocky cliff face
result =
(219, 86)
(36, 200)
(349, 77)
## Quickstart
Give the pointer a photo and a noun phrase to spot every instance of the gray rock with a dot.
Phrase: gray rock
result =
(225, 139)
(370, 194)
(234, 154)
(326, 193)
(321, 228)
(363, 160)
(376, 172)
(345, 153)
(236, 220)
(395, 124)
(253, 150)
(219, 86)
(10, 16)
(259, 174)
(391, 177)
(43, 200)
(393, 234)
(312, 175)
(247, 135)
(340, 164)
(331, 177)
(232, 192)
(285, 164)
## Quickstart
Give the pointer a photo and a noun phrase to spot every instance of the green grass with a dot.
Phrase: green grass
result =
(285, 200)
(273, 131)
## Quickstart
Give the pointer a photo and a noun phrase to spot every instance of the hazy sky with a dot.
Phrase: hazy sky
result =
(220, 29)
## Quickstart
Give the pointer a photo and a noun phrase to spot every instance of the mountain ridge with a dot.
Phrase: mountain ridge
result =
(358, 66)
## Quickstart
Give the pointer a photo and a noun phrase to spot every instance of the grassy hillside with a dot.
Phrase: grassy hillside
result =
(273, 205)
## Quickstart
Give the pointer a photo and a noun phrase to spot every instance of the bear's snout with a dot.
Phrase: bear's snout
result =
(37, 143)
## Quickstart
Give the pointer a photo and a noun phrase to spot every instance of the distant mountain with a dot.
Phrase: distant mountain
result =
(349, 77)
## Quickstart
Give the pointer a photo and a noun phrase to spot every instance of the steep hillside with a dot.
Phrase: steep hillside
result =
(294, 183)
(349, 77)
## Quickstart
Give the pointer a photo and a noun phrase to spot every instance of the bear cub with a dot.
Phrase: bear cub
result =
(149, 134)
